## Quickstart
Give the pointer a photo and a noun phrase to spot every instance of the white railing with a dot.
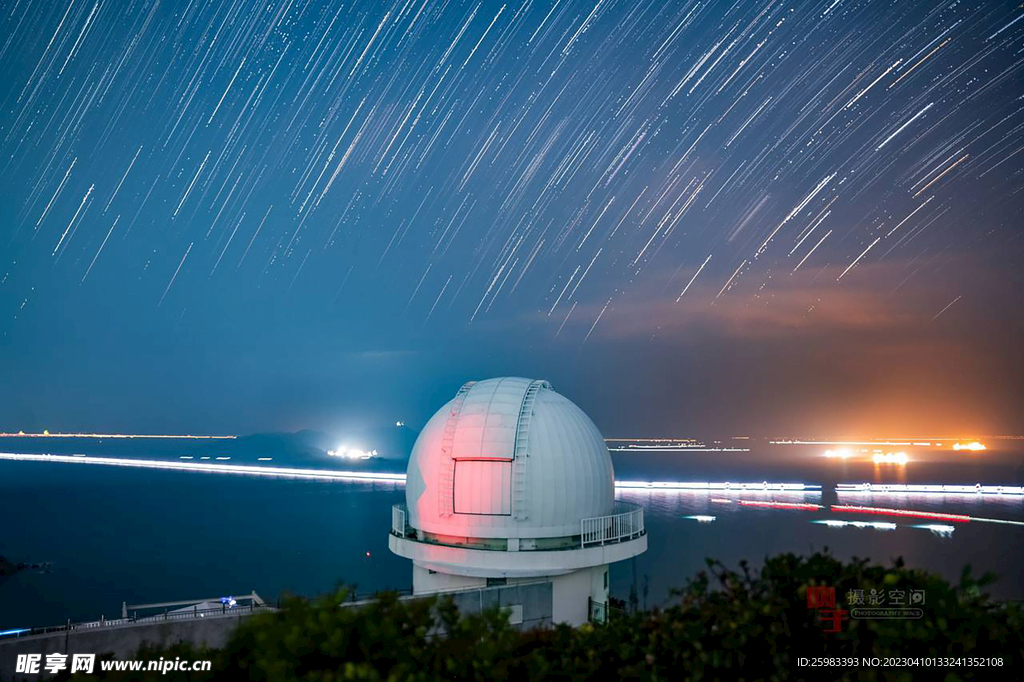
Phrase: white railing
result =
(624, 525)
(398, 520)
(234, 611)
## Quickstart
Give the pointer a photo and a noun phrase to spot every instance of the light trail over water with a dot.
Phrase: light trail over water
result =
(284, 472)
(115, 435)
(329, 474)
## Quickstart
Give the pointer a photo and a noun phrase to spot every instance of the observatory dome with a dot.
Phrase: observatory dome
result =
(508, 458)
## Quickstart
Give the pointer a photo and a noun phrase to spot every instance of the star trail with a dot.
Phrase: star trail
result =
(460, 164)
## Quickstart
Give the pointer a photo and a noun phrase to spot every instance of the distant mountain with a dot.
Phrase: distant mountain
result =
(299, 445)
(8, 567)
(392, 442)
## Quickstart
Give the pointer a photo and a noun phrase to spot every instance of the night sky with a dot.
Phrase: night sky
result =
(693, 218)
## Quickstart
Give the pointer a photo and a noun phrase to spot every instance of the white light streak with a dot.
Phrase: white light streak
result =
(902, 127)
(857, 259)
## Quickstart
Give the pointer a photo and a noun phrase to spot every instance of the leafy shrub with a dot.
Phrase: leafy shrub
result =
(723, 624)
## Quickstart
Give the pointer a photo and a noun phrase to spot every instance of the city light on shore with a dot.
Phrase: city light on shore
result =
(345, 452)
(910, 489)
(693, 485)
(890, 458)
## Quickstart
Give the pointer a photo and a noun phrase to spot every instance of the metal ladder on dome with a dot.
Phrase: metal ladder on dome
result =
(446, 479)
(520, 504)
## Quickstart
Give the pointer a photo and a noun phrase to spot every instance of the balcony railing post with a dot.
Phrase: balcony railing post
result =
(398, 520)
(613, 527)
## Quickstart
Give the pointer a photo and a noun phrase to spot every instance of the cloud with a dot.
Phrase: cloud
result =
(811, 303)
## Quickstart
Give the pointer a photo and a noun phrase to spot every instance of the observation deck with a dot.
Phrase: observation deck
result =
(600, 540)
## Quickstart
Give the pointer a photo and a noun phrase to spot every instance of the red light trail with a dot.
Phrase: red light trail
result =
(781, 505)
(900, 512)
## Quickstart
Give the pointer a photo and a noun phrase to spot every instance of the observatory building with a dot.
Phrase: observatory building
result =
(511, 483)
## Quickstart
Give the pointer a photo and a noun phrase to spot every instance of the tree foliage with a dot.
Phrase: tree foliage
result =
(723, 624)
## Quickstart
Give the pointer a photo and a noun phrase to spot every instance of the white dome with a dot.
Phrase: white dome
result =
(508, 458)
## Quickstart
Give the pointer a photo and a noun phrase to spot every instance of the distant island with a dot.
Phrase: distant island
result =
(391, 443)
(9, 568)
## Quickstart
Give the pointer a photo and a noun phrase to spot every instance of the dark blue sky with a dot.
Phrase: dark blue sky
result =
(749, 217)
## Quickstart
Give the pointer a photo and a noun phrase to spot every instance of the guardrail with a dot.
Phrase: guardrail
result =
(191, 614)
(601, 612)
(398, 520)
(625, 525)
(597, 530)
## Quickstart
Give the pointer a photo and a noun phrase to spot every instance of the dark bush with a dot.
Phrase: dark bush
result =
(724, 624)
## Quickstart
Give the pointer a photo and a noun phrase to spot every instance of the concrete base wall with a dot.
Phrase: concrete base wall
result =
(121, 641)
(528, 605)
(426, 581)
(569, 595)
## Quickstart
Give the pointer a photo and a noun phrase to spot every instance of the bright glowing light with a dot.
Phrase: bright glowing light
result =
(890, 458)
(973, 447)
(938, 529)
(877, 525)
(839, 442)
(399, 423)
(701, 518)
(900, 512)
(721, 500)
(13, 632)
(900, 489)
(781, 505)
(840, 453)
(1003, 521)
(346, 452)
